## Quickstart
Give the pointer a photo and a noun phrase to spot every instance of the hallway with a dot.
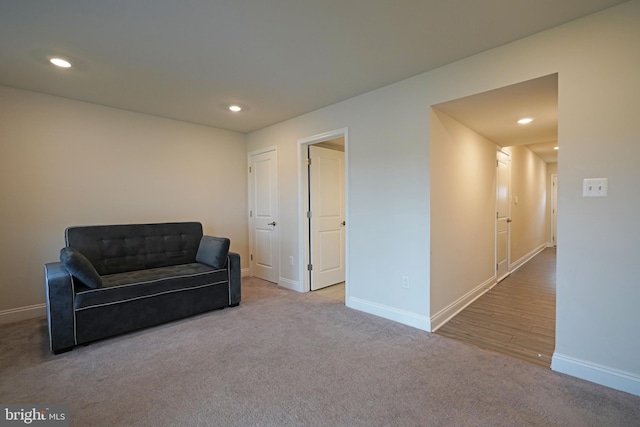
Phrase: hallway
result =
(517, 317)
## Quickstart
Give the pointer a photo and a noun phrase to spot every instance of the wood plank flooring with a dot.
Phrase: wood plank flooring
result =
(517, 317)
(334, 292)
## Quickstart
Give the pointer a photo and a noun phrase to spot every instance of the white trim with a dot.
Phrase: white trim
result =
(391, 313)
(527, 257)
(290, 284)
(245, 272)
(22, 313)
(303, 195)
(495, 224)
(553, 225)
(447, 313)
(599, 374)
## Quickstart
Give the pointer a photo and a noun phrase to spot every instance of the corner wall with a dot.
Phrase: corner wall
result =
(64, 163)
(596, 59)
(388, 190)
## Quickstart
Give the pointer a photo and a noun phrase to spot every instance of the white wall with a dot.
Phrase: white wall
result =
(598, 268)
(463, 207)
(529, 209)
(386, 215)
(66, 163)
(597, 59)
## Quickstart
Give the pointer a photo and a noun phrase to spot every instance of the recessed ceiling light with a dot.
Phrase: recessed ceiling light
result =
(556, 148)
(525, 120)
(235, 108)
(59, 62)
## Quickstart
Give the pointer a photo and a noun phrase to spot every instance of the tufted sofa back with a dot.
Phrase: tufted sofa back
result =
(121, 248)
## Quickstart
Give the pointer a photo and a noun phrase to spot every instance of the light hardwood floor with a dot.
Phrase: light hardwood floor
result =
(334, 292)
(517, 317)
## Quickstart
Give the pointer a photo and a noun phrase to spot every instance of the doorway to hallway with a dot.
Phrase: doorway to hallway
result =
(517, 317)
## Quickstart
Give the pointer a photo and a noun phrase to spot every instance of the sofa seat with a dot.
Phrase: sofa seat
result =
(133, 285)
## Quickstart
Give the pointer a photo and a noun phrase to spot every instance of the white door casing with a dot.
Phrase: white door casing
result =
(554, 210)
(503, 220)
(327, 207)
(264, 243)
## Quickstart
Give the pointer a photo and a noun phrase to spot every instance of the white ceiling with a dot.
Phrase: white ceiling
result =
(187, 60)
(494, 115)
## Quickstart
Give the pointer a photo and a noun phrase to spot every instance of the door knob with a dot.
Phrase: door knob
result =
(344, 223)
(272, 223)
(509, 220)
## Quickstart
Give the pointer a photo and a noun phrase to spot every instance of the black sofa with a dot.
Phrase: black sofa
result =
(113, 279)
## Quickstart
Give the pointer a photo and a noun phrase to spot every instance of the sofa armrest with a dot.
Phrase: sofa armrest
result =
(59, 294)
(234, 279)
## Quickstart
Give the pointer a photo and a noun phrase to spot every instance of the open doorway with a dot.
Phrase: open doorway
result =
(323, 213)
(465, 134)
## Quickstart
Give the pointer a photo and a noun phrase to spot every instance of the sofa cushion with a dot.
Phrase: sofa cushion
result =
(123, 287)
(129, 247)
(213, 251)
(79, 266)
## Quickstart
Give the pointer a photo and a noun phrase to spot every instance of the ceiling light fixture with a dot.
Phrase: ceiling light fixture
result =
(525, 120)
(235, 108)
(556, 148)
(59, 62)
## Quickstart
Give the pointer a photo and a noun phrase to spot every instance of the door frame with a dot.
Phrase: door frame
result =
(320, 276)
(303, 200)
(250, 206)
(509, 197)
(554, 211)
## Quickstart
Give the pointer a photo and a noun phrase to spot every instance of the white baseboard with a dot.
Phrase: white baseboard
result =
(245, 272)
(22, 313)
(391, 313)
(526, 258)
(290, 284)
(599, 374)
(447, 313)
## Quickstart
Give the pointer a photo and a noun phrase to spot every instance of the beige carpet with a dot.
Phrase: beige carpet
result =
(288, 359)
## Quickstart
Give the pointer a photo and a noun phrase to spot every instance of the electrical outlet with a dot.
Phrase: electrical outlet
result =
(405, 282)
(291, 260)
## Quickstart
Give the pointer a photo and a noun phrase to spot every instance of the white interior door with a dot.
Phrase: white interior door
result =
(263, 215)
(554, 210)
(327, 207)
(503, 178)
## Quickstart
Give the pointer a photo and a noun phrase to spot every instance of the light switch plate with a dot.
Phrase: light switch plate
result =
(594, 187)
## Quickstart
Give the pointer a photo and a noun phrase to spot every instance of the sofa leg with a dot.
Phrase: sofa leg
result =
(62, 350)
